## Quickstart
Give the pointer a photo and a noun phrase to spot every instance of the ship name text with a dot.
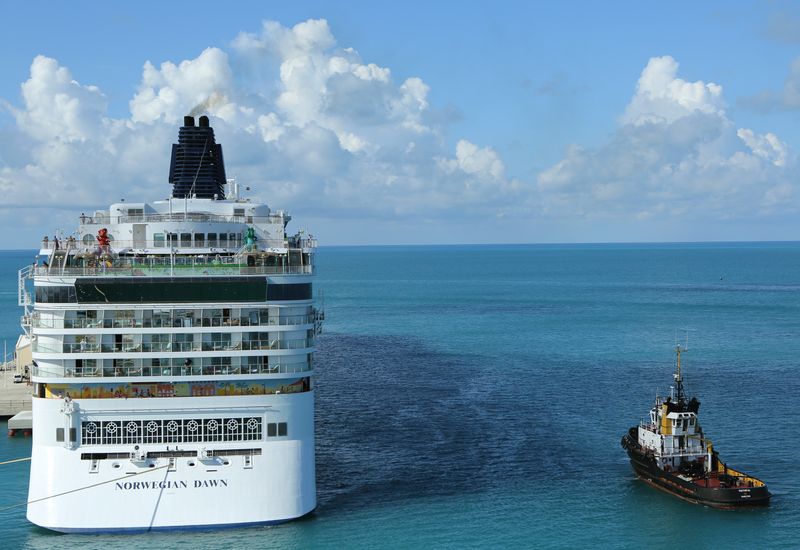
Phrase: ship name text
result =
(169, 484)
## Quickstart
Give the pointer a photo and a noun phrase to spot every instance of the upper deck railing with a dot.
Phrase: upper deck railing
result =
(108, 264)
(177, 270)
(175, 242)
(180, 217)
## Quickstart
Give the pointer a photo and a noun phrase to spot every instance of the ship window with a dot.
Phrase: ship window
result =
(186, 239)
(88, 240)
(272, 430)
(179, 289)
(281, 428)
(223, 239)
(238, 212)
(60, 435)
(158, 240)
(212, 239)
(136, 214)
(199, 239)
(55, 294)
(173, 239)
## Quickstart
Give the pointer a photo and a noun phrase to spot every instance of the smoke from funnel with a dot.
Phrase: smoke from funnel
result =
(207, 104)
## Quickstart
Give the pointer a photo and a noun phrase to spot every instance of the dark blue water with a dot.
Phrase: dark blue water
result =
(476, 396)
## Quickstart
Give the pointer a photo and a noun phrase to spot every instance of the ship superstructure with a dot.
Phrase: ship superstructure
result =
(173, 360)
(670, 452)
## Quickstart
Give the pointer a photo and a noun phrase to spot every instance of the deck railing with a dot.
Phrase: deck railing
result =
(184, 370)
(165, 246)
(37, 321)
(138, 347)
(179, 217)
(178, 270)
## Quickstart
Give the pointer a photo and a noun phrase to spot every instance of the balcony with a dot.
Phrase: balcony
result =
(127, 371)
(167, 347)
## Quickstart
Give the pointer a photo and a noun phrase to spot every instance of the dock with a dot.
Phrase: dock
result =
(14, 397)
(21, 423)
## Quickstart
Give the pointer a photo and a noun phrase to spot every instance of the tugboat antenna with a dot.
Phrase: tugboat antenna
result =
(678, 377)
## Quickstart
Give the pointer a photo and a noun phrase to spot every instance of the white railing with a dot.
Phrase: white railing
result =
(36, 321)
(210, 246)
(177, 270)
(179, 217)
(23, 296)
(138, 347)
(183, 370)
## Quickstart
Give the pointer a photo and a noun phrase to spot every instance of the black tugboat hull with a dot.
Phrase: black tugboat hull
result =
(716, 497)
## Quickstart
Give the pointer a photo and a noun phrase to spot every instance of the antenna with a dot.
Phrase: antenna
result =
(678, 376)
(199, 165)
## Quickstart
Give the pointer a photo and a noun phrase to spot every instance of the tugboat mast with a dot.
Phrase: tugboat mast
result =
(680, 395)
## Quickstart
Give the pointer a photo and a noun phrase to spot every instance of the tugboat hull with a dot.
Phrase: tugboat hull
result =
(689, 489)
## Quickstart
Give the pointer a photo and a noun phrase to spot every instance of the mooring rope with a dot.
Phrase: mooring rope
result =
(15, 460)
(82, 488)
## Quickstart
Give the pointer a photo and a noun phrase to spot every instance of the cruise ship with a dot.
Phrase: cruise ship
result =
(172, 372)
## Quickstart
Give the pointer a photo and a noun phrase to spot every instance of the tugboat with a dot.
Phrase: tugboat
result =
(671, 453)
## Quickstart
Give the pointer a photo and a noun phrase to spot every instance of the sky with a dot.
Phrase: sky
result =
(415, 122)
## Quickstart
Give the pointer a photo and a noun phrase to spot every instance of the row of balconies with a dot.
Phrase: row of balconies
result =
(256, 318)
(204, 367)
(87, 346)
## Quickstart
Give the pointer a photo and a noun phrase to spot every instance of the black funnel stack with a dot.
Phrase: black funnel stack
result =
(197, 168)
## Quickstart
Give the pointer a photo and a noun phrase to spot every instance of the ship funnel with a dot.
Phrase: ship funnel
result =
(197, 168)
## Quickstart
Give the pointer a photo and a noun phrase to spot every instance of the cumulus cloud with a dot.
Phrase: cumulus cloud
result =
(198, 85)
(663, 97)
(304, 120)
(311, 125)
(675, 153)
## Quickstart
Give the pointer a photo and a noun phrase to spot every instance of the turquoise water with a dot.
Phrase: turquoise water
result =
(476, 396)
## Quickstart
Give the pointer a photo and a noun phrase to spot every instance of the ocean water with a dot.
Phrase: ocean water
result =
(475, 396)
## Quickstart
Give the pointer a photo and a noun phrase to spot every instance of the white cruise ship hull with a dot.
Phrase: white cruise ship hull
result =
(275, 483)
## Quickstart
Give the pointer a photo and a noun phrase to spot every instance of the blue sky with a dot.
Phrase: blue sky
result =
(430, 122)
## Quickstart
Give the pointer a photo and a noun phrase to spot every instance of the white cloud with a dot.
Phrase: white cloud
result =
(310, 124)
(203, 83)
(483, 163)
(675, 154)
(58, 107)
(767, 146)
(663, 97)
